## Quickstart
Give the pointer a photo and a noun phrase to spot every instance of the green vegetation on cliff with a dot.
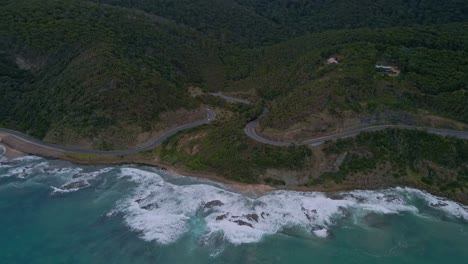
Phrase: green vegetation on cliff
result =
(224, 149)
(401, 157)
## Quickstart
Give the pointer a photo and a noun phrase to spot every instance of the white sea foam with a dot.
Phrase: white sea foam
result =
(160, 211)
(61, 171)
(8, 163)
(140, 176)
(248, 220)
(56, 190)
(5, 165)
(384, 202)
(65, 189)
(322, 233)
(80, 180)
(93, 174)
(27, 158)
(28, 170)
(163, 212)
(168, 207)
(439, 203)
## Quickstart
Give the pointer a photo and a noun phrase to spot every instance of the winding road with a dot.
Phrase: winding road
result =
(250, 130)
(210, 117)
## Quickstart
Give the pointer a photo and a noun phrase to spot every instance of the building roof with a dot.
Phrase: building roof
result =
(332, 60)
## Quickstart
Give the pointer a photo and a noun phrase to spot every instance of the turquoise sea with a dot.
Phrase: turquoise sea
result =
(53, 211)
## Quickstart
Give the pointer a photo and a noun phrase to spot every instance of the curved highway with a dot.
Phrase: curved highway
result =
(210, 116)
(250, 131)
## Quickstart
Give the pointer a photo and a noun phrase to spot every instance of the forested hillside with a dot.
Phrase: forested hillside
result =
(88, 66)
(260, 22)
(301, 87)
(85, 68)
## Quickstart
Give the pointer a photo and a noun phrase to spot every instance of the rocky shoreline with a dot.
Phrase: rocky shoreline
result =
(253, 190)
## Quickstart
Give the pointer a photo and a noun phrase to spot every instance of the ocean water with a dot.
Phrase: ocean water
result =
(53, 211)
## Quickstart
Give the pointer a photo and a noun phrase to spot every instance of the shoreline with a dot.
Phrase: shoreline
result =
(249, 189)
(254, 189)
(244, 188)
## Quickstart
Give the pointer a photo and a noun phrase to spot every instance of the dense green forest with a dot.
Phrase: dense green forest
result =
(88, 66)
(95, 67)
(433, 61)
(259, 22)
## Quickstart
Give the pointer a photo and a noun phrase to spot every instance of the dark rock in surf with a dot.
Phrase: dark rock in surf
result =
(161, 168)
(213, 204)
(221, 217)
(252, 217)
(391, 198)
(263, 214)
(75, 185)
(309, 214)
(150, 206)
(243, 223)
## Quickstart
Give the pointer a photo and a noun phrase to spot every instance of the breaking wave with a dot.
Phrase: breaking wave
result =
(164, 212)
(70, 178)
(163, 208)
(79, 180)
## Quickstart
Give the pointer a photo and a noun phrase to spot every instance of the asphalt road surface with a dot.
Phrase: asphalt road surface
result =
(250, 131)
(210, 117)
